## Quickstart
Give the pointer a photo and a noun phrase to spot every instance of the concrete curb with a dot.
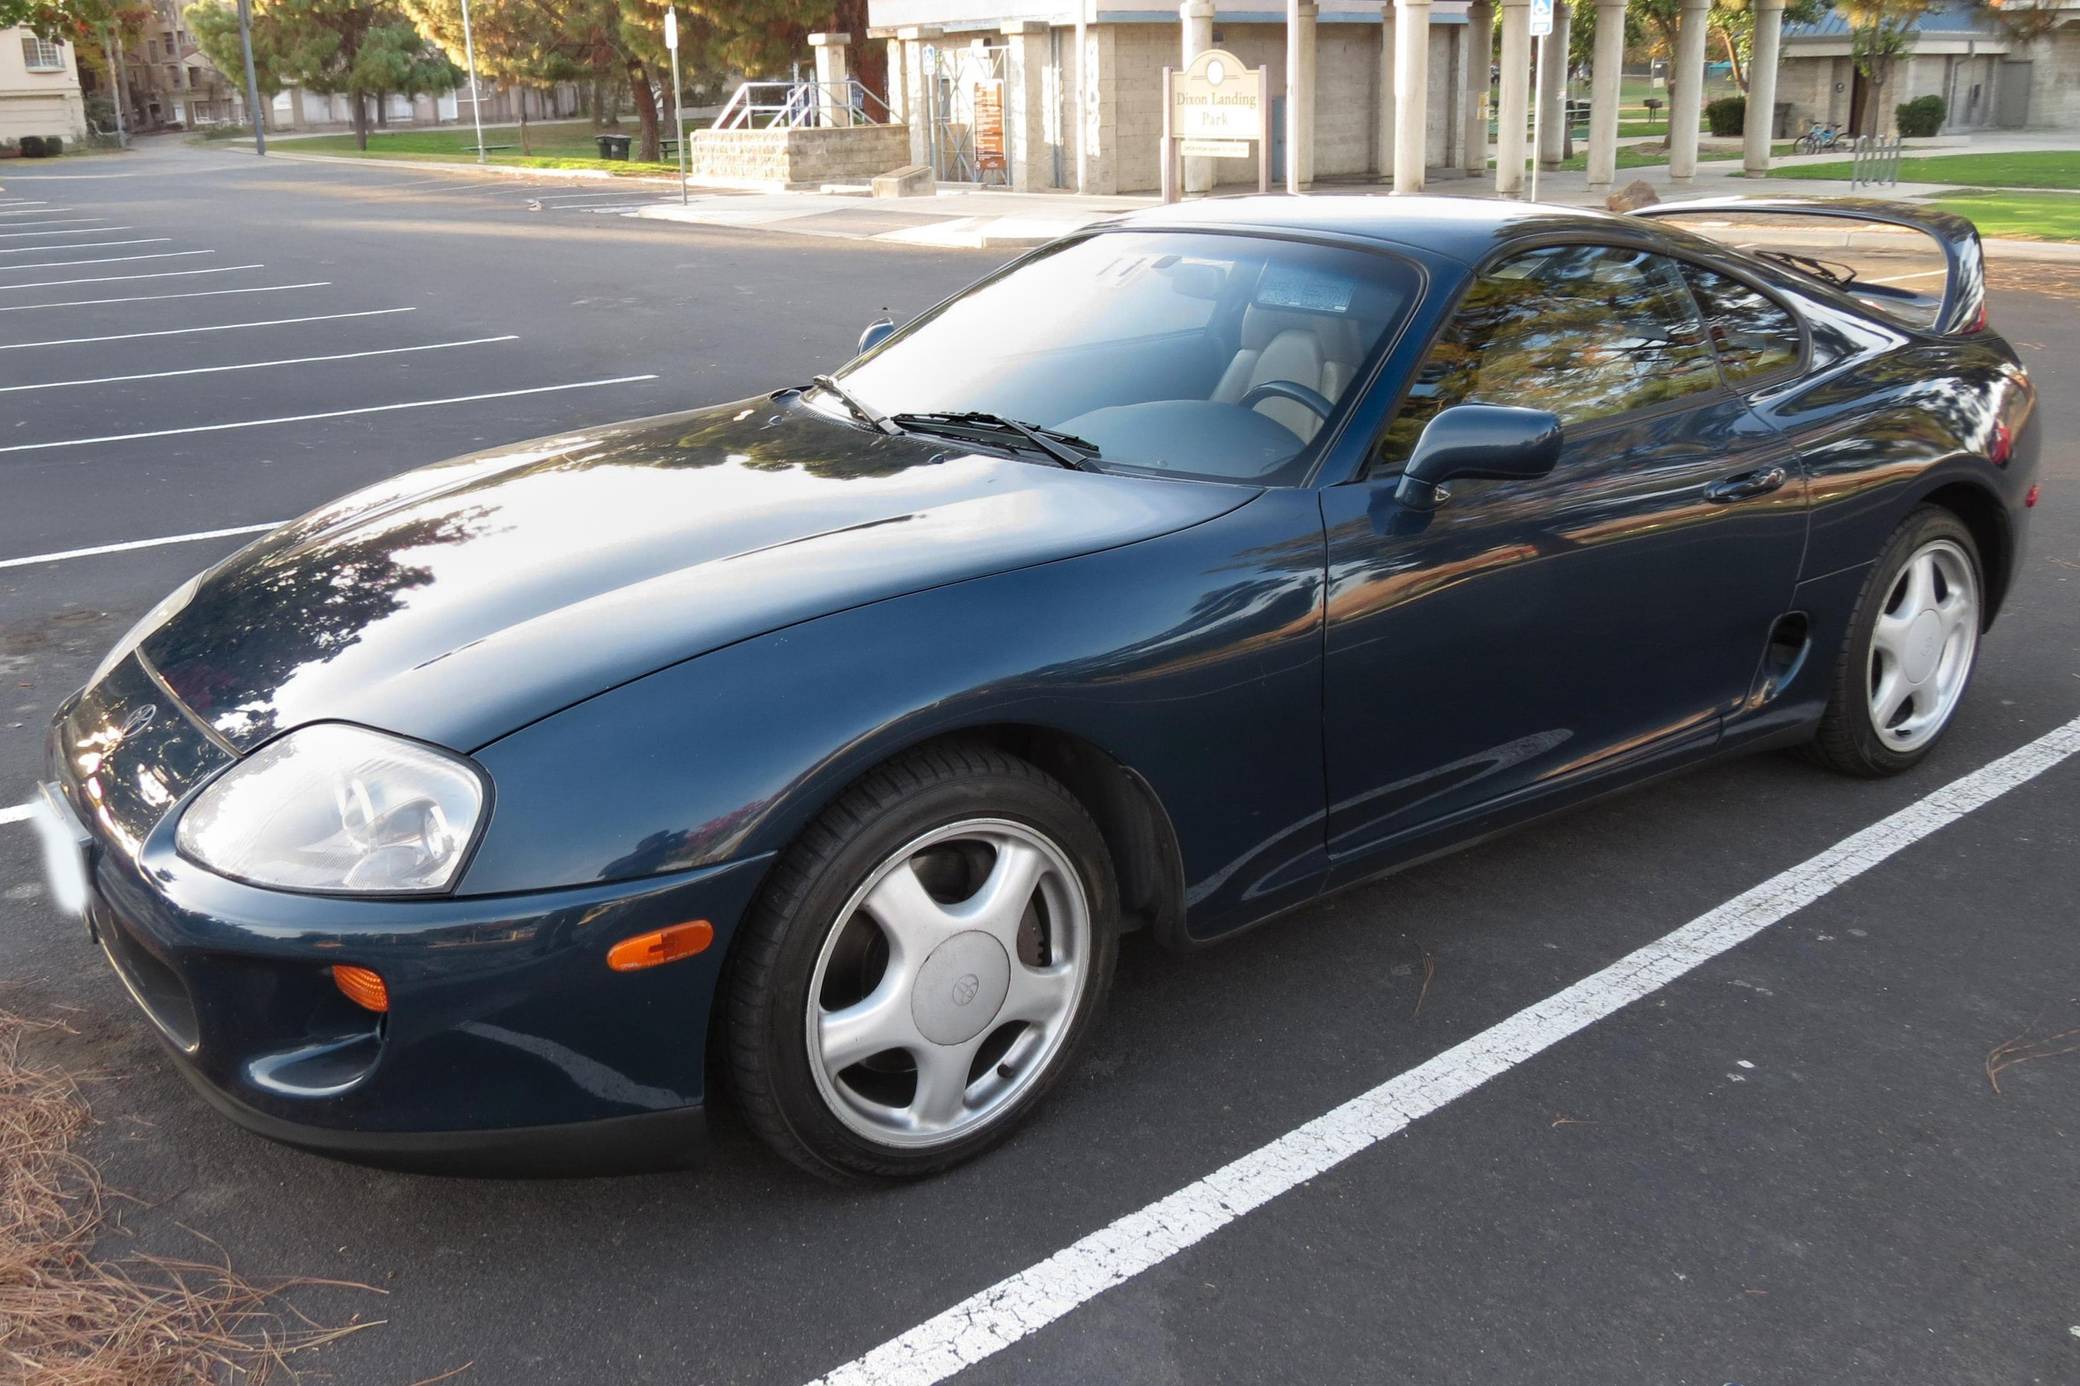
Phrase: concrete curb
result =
(662, 180)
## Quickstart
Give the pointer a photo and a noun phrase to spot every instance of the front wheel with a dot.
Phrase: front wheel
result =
(922, 966)
(1911, 649)
(1804, 144)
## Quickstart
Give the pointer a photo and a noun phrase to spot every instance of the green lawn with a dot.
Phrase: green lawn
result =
(553, 146)
(1634, 156)
(2044, 168)
(2018, 216)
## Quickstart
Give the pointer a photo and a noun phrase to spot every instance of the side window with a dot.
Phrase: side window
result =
(1755, 337)
(1587, 331)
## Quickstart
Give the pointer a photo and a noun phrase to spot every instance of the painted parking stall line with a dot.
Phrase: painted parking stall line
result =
(327, 414)
(986, 1323)
(81, 245)
(54, 221)
(65, 555)
(79, 231)
(19, 813)
(184, 331)
(112, 278)
(107, 260)
(155, 298)
(263, 365)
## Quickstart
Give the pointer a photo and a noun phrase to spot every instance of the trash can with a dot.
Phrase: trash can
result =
(613, 146)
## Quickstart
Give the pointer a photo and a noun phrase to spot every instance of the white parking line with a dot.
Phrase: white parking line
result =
(261, 365)
(184, 331)
(112, 278)
(63, 554)
(80, 231)
(985, 1324)
(155, 298)
(40, 211)
(82, 245)
(328, 414)
(16, 814)
(24, 202)
(55, 221)
(108, 259)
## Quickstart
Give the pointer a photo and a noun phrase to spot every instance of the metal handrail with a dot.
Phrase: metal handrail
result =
(791, 105)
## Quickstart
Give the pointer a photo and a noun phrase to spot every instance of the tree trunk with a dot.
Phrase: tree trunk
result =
(382, 110)
(524, 146)
(360, 119)
(1733, 60)
(644, 97)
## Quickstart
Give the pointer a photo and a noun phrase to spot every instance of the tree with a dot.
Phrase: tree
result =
(394, 58)
(518, 42)
(215, 27)
(1880, 31)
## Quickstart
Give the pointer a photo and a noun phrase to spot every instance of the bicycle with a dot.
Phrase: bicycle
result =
(1820, 138)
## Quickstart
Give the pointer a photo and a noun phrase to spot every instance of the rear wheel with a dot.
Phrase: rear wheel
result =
(1804, 144)
(1910, 652)
(922, 966)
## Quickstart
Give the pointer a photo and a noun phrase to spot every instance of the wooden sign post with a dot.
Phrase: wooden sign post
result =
(1214, 109)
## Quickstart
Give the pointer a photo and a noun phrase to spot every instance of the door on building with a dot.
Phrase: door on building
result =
(1859, 102)
(2011, 99)
(965, 91)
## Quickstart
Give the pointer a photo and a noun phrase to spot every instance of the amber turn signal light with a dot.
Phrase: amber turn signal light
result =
(363, 987)
(661, 946)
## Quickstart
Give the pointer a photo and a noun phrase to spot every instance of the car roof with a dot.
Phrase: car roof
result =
(1464, 228)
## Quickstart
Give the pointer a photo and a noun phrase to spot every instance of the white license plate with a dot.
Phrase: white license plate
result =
(64, 852)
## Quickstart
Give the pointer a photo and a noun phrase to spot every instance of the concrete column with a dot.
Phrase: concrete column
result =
(1411, 94)
(833, 98)
(1030, 164)
(1309, 13)
(917, 107)
(1762, 88)
(1196, 20)
(1604, 89)
(1686, 102)
(1473, 114)
(1552, 92)
(898, 108)
(1513, 102)
(1383, 140)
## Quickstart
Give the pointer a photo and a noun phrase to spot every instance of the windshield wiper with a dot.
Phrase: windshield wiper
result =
(859, 411)
(1048, 440)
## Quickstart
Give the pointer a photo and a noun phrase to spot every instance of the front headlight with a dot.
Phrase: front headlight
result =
(337, 808)
(158, 616)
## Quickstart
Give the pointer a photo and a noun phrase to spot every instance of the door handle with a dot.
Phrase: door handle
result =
(1747, 485)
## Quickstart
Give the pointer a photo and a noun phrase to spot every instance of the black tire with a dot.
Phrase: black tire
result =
(1804, 144)
(766, 986)
(1848, 740)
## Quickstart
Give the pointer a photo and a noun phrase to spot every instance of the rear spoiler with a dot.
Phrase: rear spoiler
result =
(1963, 306)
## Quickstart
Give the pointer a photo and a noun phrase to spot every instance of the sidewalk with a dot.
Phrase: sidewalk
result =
(978, 219)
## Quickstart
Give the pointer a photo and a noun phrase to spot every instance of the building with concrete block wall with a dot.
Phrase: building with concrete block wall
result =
(1101, 135)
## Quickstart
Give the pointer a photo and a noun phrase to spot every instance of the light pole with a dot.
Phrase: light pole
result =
(245, 41)
(671, 41)
(476, 107)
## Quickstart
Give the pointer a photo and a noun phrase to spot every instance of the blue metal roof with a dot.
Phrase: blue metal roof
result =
(1947, 20)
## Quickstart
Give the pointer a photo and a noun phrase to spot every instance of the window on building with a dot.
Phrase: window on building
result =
(41, 55)
(1755, 337)
(1586, 331)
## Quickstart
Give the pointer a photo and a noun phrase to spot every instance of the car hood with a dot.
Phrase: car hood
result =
(461, 601)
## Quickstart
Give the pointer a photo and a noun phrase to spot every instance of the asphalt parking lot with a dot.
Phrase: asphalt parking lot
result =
(1767, 1149)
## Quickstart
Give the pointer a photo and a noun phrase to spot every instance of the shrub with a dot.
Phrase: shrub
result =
(32, 146)
(53, 146)
(1921, 117)
(1727, 116)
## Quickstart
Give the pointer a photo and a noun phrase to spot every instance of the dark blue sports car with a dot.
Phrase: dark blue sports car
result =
(824, 744)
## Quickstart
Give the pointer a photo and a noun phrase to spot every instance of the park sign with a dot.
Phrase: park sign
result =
(1541, 18)
(1216, 109)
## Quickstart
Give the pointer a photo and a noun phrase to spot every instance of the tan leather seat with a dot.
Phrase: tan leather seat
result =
(1311, 349)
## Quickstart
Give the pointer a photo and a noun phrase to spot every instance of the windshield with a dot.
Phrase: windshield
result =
(1204, 355)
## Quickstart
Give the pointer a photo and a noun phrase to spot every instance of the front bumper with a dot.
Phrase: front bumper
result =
(507, 1039)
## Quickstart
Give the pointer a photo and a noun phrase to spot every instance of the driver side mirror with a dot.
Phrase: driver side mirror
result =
(1478, 440)
(876, 333)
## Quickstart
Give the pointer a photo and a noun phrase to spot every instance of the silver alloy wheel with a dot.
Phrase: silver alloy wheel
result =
(934, 1006)
(1923, 644)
